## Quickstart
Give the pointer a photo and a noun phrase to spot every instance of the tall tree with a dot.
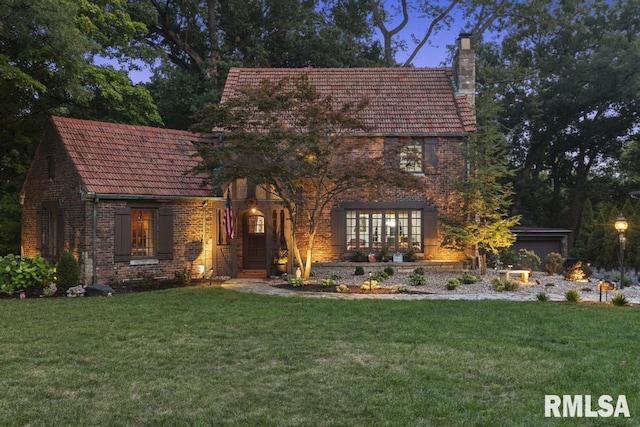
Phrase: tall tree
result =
(483, 222)
(433, 16)
(572, 99)
(46, 47)
(295, 140)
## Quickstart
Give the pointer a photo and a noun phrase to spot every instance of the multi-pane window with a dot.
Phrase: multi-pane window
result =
(411, 157)
(415, 155)
(396, 230)
(143, 232)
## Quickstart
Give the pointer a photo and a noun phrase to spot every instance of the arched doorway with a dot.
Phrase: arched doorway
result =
(254, 242)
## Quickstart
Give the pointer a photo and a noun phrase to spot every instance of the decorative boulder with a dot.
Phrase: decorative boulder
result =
(98, 289)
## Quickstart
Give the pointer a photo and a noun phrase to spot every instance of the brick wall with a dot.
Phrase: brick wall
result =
(437, 191)
(188, 248)
(52, 178)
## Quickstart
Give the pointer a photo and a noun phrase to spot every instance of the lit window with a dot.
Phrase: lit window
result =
(142, 233)
(256, 224)
(396, 230)
(411, 157)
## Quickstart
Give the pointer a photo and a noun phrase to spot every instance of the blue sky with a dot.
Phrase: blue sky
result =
(430, 55)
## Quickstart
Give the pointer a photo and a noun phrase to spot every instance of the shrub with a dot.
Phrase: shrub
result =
(49, 291)
(619, 300)
(452, 284)
(553, 263)
(469, 278)
(335, 277)
(22, 272)
(507, 257)
(67, 271)
(417, 278)
(342, 288)
(572, 296)
(528, 260)
(389, 270)
(183, 277)
(541, 296)
(504, 285)
(379, 275)
(297, 281)
(328, 282)
(359, 271)
(419, 270)
(370, 285)
(574, 272)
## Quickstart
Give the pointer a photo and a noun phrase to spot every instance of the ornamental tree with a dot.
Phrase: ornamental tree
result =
(483, 222)
(305, 146)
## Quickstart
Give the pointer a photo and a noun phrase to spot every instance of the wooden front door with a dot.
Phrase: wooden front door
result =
(255, 245)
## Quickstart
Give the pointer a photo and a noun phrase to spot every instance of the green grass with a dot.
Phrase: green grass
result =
(209, 356)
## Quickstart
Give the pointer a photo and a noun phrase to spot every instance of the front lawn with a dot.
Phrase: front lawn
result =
(210, 356)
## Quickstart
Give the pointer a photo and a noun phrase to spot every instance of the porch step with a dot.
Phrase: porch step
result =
(252, 274)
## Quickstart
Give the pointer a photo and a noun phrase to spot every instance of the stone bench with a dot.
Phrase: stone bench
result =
(524, 274)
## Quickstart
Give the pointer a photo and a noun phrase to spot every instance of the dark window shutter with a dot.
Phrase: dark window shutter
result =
(430, 227)
(165, 233)
(122, 238)
(392, 150)
(338, 232)
(431, 156)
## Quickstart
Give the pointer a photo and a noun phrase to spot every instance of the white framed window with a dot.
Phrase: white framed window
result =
(396, 230)
(411, 157)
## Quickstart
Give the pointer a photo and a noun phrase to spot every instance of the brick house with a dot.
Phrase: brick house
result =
(121, 197)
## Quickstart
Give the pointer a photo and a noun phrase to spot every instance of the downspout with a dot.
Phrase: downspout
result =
(94, 243)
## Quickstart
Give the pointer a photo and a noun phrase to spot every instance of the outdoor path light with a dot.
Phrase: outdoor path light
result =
(621, 226)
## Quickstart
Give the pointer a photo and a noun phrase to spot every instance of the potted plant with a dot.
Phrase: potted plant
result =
(410, 255)
(384, 254)
(359, 256)
(281, 260)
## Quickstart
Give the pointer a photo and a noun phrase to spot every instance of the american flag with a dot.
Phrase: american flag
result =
(228, 216)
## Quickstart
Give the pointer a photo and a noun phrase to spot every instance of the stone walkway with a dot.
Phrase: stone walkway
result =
(261, 286)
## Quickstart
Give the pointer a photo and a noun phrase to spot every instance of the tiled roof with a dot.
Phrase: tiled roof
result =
(132, 160)
(402, 101)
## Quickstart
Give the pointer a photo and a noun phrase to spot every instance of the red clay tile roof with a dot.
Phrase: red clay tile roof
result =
(402, 101)
(132, 160)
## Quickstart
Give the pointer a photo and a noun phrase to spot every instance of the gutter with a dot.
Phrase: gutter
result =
(106, 196)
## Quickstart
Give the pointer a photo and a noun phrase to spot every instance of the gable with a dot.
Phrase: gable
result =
(131, 160)
(401, 101)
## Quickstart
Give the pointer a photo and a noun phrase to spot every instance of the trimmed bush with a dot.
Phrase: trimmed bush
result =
(67, 271)
(553, 263)
(504, 285)
(572, 296)
(452, 284)
(359, 271)
(528, 260)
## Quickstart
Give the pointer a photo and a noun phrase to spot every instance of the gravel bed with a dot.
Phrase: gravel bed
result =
(552, 285)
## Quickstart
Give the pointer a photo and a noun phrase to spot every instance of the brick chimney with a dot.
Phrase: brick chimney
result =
(464, 69)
